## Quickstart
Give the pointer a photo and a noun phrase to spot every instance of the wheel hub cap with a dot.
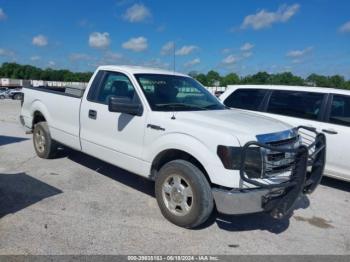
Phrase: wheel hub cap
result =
(177, 195)
(40, 141)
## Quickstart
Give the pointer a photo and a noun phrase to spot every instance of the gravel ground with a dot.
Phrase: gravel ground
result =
(79, 205)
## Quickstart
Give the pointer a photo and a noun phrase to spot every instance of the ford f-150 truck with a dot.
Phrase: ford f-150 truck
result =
(167, 127)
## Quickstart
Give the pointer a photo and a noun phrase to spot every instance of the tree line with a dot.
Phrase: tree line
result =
(212, 78)
(17, 71)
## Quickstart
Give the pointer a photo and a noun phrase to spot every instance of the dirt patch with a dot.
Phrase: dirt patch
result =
(315, 221)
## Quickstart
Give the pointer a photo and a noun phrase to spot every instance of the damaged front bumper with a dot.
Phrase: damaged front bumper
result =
(306, 170)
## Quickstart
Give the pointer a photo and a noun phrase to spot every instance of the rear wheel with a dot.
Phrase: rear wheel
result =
(44, 146)
(183, 194)
(17, 97)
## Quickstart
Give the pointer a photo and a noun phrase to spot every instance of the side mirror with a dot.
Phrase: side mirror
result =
(124, 105)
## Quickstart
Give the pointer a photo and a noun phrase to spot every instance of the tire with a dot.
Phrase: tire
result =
(44, 146)
(17, 97)
(2, 97)
(171, 189)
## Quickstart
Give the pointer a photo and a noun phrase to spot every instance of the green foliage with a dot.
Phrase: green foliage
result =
(213, 77)
(202, 78)
(264, 78)
(13, 70)
(17, 71)
(230, 79)
(260, 78)
(335, 81)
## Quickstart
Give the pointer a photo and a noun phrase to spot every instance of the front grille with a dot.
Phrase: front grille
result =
(275, 156)
(283, 142)
(279, 162)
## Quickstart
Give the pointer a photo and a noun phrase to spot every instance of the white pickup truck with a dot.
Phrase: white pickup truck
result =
(167, 127)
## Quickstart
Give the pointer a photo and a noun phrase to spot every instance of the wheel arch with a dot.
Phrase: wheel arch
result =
(171, 154)
(39, 112)
(38, 117)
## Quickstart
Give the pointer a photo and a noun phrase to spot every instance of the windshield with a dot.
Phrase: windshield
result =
(176, 93)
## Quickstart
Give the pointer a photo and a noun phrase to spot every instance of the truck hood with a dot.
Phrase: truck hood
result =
(240, 123)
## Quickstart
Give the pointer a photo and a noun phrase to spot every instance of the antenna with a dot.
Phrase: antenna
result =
(174, 59)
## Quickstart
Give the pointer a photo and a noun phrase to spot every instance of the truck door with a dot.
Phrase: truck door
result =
(116, 138)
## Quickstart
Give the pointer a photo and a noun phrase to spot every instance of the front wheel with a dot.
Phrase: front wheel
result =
(2, 97)
(183, 194)
(44, 146)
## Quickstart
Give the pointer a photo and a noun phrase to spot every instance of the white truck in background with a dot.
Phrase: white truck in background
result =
(167, 127)
(325, 109)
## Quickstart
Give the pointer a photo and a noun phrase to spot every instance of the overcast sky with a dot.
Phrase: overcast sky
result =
(227, 36)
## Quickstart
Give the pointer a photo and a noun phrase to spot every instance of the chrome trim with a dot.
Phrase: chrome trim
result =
(272, 137)
(286, 160)
(239, 202)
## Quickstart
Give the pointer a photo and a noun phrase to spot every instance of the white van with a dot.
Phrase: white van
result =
(326, 109)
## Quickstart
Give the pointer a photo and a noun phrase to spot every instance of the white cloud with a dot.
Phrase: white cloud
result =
(136, 44)
(35, 58)
(167, 48)
(155, 63)
(108, 58)
(247, 54)
(345, 28)
(3, 16)
(161, 28)
(186, 50)
(264, 18)
(112, 58)
(52, 63)
(299, 53)
(226, 50)
(193, 62)
(247, 47)
(230, 59)
(40, 41)
(137, 13)
(99, 40)
(6, 53)
(79, 57)
(296, 61)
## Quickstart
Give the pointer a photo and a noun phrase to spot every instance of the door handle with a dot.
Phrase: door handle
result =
(330, 131)
(92, 114)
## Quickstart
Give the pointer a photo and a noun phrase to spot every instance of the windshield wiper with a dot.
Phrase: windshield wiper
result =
(211, 106)
(180, 105)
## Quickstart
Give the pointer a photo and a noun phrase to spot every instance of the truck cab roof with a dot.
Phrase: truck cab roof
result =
(138, 70)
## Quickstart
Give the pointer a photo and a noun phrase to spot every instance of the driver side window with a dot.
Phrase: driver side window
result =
(117, 85)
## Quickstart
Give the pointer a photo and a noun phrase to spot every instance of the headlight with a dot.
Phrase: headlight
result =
(231, 158)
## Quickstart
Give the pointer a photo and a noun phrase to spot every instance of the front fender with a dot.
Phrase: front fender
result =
(204, 154)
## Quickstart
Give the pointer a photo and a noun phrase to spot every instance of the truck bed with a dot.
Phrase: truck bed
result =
(67, 91)
(60, 107)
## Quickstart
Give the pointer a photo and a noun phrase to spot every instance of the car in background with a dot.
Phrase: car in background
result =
(2, 95)
(325, 109)
(3, 92)
(15, 94)
(218, 93)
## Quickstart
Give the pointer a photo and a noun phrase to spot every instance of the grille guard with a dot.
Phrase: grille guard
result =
(283, 195)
